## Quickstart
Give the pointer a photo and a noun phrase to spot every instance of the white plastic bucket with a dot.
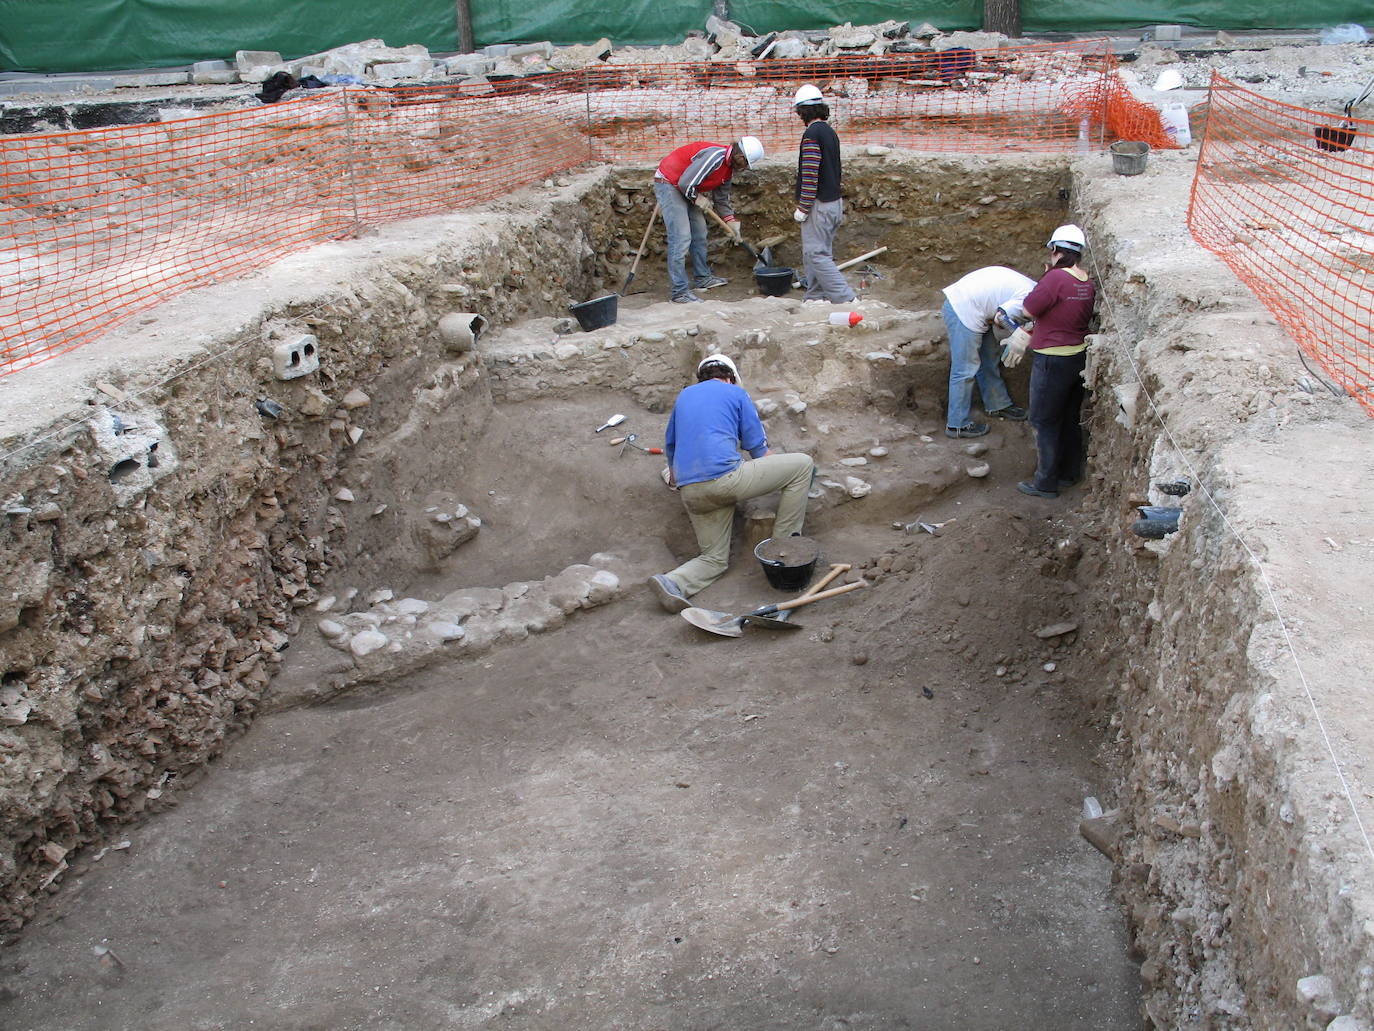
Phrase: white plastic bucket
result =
(1174, 119)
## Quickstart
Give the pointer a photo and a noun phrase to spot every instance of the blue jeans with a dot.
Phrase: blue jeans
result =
(972, 359)
(1056, 401)
(686, 237)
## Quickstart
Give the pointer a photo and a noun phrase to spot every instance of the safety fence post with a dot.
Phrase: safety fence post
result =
(587, 99)
(350, 160)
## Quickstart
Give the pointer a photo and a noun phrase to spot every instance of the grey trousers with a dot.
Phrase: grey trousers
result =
(824, 282)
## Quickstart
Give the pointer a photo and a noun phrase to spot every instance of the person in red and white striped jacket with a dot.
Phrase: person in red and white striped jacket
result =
(697, 175)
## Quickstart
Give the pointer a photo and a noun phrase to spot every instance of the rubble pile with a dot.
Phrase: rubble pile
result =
(373, 62)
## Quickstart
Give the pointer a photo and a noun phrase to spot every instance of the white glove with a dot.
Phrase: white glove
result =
(733, 224)
(800, 215)
(1015, 348)
(703, 201)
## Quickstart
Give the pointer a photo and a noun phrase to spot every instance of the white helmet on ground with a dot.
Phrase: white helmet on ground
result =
(808, 94)
(718, 359)
(752, 149)
(1068, 238)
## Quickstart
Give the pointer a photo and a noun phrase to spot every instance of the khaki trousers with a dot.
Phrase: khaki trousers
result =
(711, 507)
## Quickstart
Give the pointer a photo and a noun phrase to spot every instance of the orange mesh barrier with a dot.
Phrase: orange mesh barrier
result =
(98, 225)
(1285, 197)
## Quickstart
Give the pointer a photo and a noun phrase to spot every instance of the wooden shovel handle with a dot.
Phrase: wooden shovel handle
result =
(862, 257)
(836, 568)
(737, 239)
(807, 599)
(644, 240)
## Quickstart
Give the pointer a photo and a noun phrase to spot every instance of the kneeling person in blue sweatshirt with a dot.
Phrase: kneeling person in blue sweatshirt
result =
(712, 421)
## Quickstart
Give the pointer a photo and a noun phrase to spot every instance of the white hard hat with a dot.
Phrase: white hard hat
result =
(1068, 238)
(808, 94)
(752, 149)
(718, 359)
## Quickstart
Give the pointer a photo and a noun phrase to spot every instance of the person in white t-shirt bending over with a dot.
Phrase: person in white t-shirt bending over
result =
(979, 311)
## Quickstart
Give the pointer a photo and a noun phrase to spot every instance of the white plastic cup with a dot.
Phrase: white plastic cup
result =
(845, 318)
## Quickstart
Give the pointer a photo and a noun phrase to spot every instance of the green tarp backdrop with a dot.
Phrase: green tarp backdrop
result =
(105, 35)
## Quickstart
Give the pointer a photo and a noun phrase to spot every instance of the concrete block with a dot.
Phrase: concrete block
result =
(544, 50)
(248, 60)
(498, 49)
(261, 73)
(295, 358)
(214, 78)
(1168, 32)
(419, 68)
(468, 65)
(332, 64)
(211, 66)
(57, 84)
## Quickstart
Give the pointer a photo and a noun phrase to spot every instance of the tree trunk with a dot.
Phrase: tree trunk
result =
(1002, 16)
(465, 45)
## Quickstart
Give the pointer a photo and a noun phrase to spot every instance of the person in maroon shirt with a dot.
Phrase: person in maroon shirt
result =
(1062, 306)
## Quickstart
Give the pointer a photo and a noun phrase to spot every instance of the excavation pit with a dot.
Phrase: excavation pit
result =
(485, 773)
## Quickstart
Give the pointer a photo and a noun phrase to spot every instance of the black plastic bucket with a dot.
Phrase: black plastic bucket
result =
(773, 280)
(789, 562)
(1334, 139)
(596, 313)
(1129, 156)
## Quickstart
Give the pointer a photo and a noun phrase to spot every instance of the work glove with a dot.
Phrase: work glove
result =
(1015, 348)
(800, 215)
(703, 201)
(733, 224)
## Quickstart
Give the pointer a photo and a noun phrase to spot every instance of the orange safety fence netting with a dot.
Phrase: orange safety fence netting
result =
(1285, 197)
(98, 225)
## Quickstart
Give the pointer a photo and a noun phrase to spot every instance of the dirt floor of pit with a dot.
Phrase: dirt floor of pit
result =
(868, 823)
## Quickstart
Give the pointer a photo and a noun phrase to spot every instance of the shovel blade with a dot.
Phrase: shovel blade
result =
(776, 621)
(720, 623)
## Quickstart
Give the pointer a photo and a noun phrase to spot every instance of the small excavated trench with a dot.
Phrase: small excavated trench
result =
(486, 778)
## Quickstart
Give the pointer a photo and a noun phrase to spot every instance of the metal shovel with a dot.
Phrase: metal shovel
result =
(762, 259)
(624, 290)
(782, 621)
(726, 625)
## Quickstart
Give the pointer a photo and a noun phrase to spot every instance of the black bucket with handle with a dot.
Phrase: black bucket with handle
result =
(596, 313)
(788, 562)
(773, 280)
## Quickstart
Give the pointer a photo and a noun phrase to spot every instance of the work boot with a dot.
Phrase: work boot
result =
(969, 429)
(710, 282)
(1026, 487)
(1013, 413)
(687, 298)
(669, 594)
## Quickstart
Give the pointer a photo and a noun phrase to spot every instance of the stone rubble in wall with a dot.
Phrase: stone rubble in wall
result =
(373, 62)
(395, 637)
